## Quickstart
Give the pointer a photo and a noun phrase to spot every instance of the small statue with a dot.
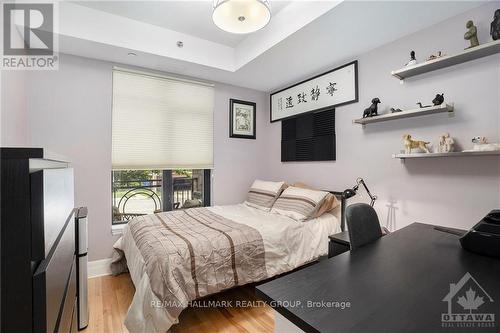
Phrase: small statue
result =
(438, 100)
(373, 109)
(495, 26)
(438, 55)
(413, 144)
(393, 110)
(471, 34)
(413, 60)
(445, 143)
(422, 106)
(480, 143)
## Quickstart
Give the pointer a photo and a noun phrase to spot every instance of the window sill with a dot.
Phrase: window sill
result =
(117, 229)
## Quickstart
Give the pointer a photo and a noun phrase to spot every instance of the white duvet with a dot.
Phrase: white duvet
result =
(288, 244)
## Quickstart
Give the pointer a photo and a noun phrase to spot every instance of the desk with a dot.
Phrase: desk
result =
(395, 284)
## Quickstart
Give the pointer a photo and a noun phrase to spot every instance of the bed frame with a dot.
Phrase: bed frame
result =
(340, 196)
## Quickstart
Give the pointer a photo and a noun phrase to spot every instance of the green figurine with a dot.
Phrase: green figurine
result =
(471, 34)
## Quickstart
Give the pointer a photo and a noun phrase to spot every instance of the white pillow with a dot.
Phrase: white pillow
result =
(263, 194)
(299, 203)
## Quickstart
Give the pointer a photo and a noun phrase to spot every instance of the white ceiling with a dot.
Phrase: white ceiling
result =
(302, 39)
(189, 17)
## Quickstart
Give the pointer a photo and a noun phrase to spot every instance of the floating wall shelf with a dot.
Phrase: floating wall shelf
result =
(452, 154)
(477, 52)
(406, 114)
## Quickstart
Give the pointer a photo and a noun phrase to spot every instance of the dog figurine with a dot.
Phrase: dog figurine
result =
(412, 144)
(373, 109)
(438, 100)
(480, 143)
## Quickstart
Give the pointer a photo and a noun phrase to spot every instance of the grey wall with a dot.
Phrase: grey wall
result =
(454, 191)
(69, 112)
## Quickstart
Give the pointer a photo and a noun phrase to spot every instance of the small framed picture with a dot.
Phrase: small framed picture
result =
(241, 119)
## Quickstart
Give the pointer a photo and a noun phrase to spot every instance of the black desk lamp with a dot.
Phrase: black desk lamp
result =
(349, 193)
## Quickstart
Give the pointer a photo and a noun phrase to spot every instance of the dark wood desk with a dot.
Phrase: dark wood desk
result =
(396, 284)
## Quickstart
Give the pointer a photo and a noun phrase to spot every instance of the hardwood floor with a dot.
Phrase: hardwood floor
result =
(110, 297)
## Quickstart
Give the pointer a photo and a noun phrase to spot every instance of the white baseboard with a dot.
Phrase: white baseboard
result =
(98, 268)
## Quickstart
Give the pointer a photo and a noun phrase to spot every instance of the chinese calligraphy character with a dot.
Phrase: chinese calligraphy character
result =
(315, 93)
(289, 102)
(331, 88)
(302, 98)
(280, 103)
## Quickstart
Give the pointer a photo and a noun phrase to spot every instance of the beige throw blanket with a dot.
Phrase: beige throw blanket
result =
(192, 253)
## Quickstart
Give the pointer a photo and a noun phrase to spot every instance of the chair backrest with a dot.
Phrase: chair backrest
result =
(362, 224)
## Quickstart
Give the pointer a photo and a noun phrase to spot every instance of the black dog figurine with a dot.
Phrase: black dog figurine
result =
(372, 110)
(438, 100)
(495, 26)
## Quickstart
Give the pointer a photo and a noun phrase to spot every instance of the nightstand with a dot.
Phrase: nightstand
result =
(339, 243)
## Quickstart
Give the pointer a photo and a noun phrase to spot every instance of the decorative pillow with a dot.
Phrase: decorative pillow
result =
(263, 194)
(299, 203)
(328, 204)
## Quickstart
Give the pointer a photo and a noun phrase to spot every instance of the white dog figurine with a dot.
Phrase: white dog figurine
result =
(411, 144)
(445, 143)
(480, 143)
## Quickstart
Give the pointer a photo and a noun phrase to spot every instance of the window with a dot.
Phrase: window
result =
(162, 135)
(141, 192)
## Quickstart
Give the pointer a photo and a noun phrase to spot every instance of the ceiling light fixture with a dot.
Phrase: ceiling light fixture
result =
(241, 16)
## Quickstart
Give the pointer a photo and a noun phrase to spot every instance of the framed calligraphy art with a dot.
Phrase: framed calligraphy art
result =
(334, 88)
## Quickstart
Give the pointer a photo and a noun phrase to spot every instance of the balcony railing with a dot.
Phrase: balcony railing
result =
(132, 198)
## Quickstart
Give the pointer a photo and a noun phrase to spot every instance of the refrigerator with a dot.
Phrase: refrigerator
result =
(81, 268)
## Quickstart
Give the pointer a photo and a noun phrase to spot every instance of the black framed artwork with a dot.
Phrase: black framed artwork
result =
(331, 89)
(242, 119)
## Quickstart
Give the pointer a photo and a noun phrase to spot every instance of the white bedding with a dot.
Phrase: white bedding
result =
(288, 244)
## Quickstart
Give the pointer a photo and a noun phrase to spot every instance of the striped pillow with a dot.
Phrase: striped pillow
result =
(299, 203)
(263, 194)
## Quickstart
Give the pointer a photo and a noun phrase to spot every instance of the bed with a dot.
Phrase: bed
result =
(180, 256)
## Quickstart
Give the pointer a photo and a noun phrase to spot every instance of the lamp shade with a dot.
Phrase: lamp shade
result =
(241, 16)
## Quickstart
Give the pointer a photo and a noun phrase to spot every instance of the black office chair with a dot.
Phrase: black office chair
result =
(362, 224)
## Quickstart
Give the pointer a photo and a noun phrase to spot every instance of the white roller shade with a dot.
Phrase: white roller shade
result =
(161, 123)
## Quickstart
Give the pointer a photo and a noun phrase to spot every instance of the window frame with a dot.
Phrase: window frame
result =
(166, 205)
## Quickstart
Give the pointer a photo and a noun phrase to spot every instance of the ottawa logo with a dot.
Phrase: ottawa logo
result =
(468, 303)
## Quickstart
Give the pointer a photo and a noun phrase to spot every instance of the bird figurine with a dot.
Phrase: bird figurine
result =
(393, 110)
(438, 100)
(471, 34)
(495, 26)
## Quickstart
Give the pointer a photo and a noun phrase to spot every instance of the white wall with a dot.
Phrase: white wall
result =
(455, 191)
(238, 162)
(69, 112)
(13, 113)
(13, 128)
